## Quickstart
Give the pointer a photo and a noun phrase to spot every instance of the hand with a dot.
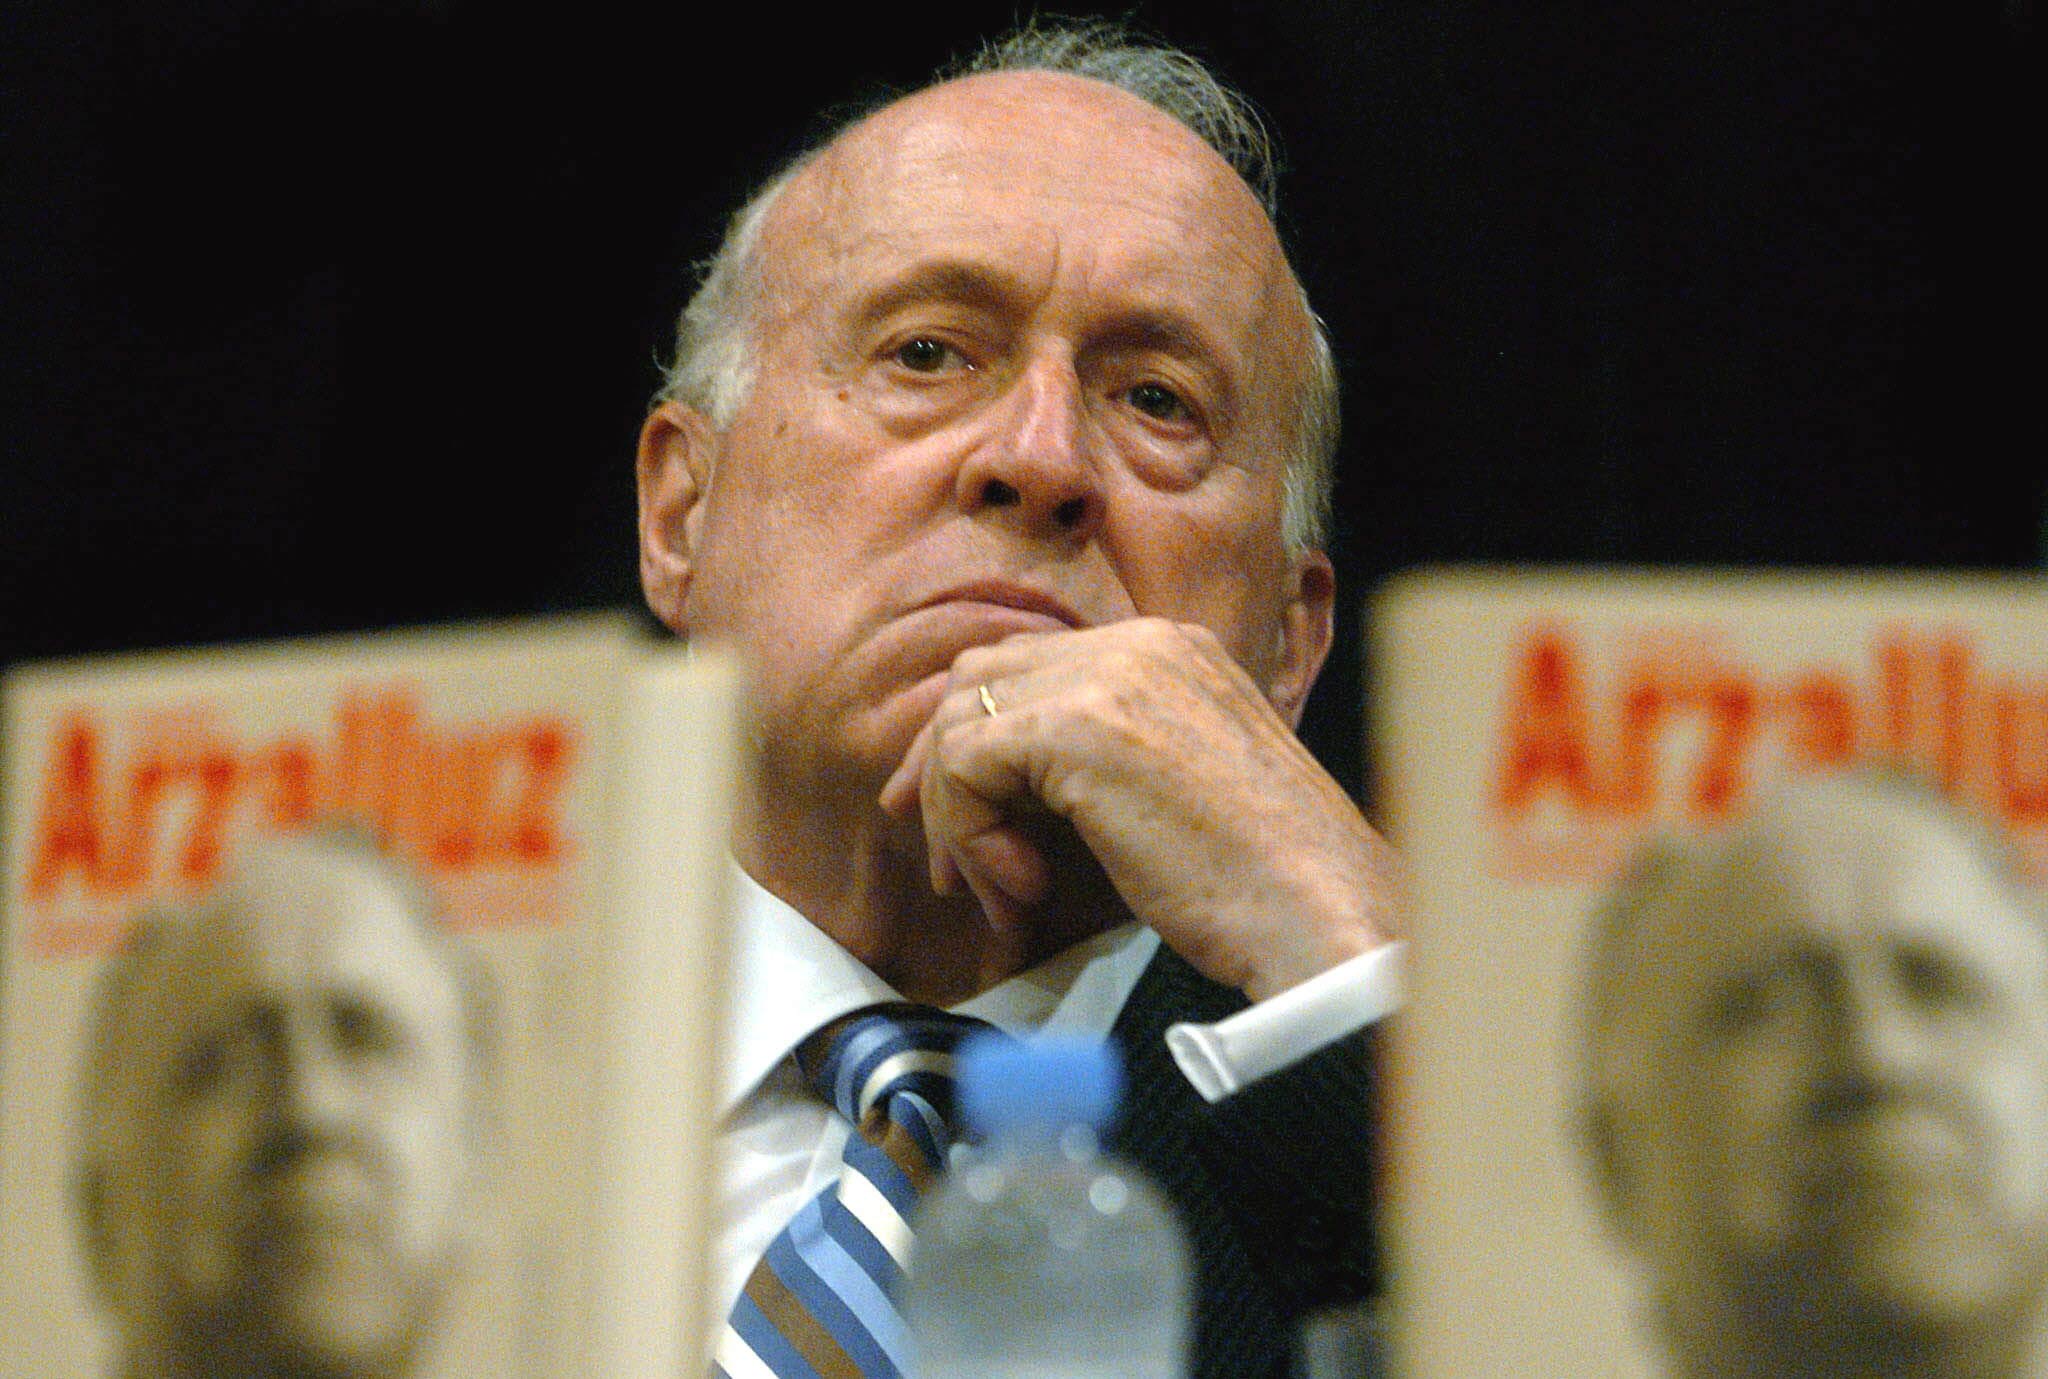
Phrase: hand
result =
(1213, 823)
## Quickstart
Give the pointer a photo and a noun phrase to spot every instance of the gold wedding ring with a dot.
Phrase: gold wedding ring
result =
(988, 701)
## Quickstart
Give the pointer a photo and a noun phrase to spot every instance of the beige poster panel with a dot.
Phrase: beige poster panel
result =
(1530, 730)
(412, 864)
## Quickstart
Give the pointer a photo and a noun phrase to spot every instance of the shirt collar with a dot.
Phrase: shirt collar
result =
(789, 978)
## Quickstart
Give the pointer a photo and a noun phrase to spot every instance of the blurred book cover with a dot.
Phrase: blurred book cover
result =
(361, 1000)
(1532, 733)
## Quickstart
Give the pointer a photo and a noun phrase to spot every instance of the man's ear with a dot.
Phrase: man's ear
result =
(677, 448)
(1306, 632)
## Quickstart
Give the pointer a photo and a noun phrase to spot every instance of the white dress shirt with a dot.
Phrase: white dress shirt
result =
(780, 1145)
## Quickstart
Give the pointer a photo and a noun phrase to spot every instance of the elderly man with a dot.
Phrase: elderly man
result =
(1818, 1091)
(999, 437)
(281, 1117)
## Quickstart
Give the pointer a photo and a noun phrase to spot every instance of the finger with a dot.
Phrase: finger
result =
(1013, 655)
(977, 765)
(953, 814)
(968, 833)
(1008, 862)
(966, 700)
(1003, 912)
(900, 792)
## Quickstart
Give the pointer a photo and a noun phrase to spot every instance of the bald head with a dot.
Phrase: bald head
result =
(1026, 137)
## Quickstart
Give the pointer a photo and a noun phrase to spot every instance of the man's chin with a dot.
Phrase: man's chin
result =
(855, 755)
(1927, 1284)
(330, 1310)
(902, 679)
(352, 1333)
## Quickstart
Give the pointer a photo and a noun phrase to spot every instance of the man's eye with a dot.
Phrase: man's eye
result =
(924, 354)
(1746, 1001)
(360, 1029)
(200, 1066)
(1159, 402)
(1934, 980)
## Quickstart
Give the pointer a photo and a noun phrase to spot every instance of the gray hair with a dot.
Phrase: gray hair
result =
(713, 365)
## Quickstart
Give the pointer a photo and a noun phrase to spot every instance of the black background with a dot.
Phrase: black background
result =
(343, 315)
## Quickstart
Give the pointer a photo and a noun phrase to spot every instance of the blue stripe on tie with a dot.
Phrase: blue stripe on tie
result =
(775, 1351)
(849, 1332)
(856, 1060)
(814, 1294)
(858, 1241)
(853, 1293)
(840, 1291)
(790, 1258)
(900, 1040)
(921, 1122)
(878, 1168)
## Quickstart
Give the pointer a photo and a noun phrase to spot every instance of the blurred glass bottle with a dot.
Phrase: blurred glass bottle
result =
(1037, 1257)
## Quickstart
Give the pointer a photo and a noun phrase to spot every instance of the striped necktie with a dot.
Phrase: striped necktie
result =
(821, 1303)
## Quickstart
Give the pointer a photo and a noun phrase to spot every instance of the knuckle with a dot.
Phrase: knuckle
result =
(1154, 631)
(1101, 698)
(1067, 793)
(953, 773)
(952, 750)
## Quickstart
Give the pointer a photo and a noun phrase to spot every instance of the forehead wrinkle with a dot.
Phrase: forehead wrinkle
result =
(979, 283)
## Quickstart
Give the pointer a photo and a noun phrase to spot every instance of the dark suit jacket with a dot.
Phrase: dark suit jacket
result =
(1274, 1184)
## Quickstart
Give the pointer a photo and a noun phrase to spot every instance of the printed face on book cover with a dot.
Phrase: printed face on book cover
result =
(282, 1115)
(1820, 1078)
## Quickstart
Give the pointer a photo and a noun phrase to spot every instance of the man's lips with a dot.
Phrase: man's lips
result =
(1003, 594)
(319, 1193)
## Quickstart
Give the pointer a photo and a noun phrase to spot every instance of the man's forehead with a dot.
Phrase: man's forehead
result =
(308, 922)
(1025, 119)
(1840, 848)
(1839, 863)
(1026, 151)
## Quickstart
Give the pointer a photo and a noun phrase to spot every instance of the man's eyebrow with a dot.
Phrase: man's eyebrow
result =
(963, 281)
(1164, 331)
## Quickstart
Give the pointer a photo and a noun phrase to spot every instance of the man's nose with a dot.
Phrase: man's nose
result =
(1038, 465)
(313, 1090)
(1877, 1041)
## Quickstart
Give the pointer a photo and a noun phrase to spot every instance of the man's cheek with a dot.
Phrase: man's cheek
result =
(2013, 1139)
(428, 1163)
(204, 1247)
(205, 1195)
(1742, 1119)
